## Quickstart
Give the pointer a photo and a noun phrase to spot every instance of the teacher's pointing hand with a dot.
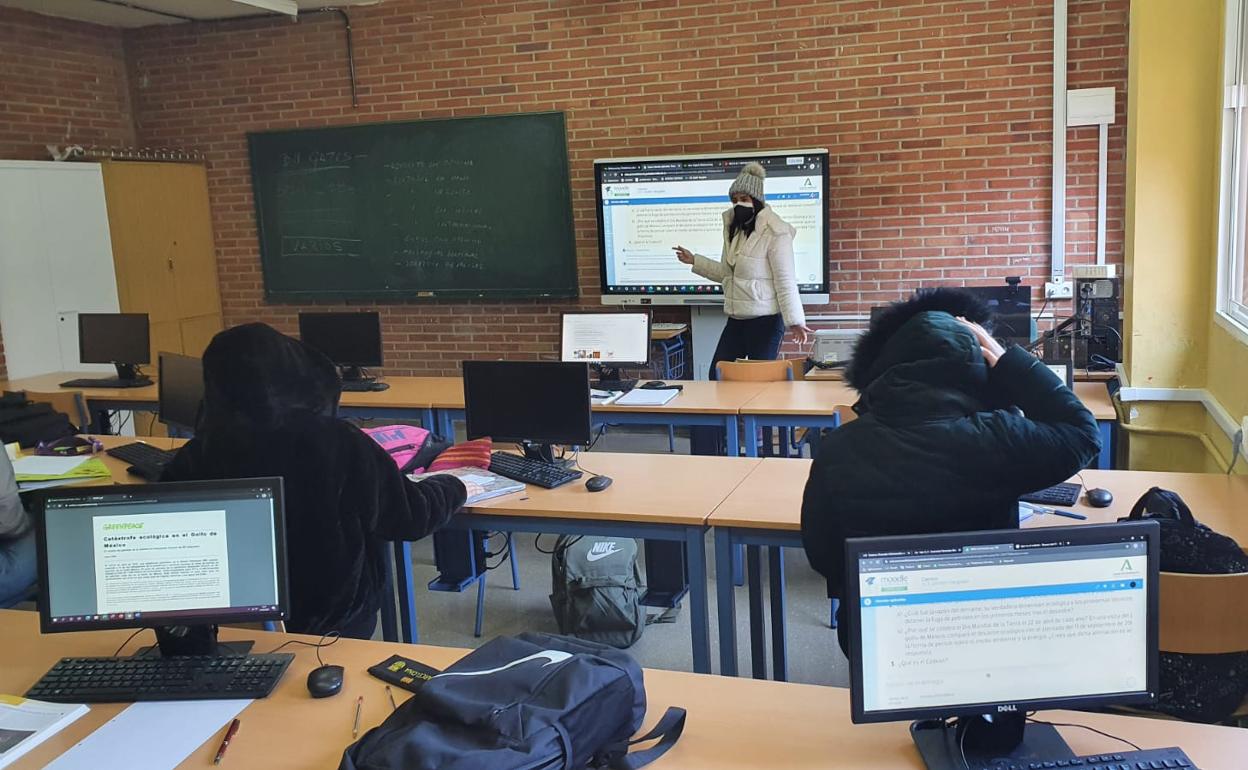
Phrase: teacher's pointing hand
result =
(683, 254)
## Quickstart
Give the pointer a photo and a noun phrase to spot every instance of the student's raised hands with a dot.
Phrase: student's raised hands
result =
(988, 344)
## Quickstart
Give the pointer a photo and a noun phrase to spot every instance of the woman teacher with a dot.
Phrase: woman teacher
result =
(760, 289)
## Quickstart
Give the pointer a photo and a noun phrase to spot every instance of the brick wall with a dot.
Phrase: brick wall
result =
(61, 82)
(937, 115)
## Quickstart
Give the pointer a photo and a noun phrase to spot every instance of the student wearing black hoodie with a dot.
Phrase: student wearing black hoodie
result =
(270, 405)
(952, 428)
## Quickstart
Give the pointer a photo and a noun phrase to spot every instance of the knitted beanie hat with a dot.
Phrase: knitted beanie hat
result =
(750, 182)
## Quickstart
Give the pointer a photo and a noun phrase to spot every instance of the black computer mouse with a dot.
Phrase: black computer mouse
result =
(653, 385)
(1099, 498)
(598, 483)
(325, 681)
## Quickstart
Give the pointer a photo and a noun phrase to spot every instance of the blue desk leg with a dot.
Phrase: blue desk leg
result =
(779, 648)
(732, 436)
(758, 646)
(699, 604)
(427, 421)
(446, 424)
(407, 593)
(1105, 461)
(726, 591)
(389, 615)
(748, 435)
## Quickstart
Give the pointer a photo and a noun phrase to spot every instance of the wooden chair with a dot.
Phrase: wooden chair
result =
(70, 403)
(1204, 615)
(754, 371)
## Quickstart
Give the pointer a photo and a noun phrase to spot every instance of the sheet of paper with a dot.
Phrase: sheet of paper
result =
(36, 465)
(476, 478)
(11, 450)
(30, 486)
(643, 397)
(155, 735)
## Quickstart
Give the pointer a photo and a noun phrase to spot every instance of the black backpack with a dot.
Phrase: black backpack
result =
(531, 702)
(1196, 688)
(596, 588)
(28, 423)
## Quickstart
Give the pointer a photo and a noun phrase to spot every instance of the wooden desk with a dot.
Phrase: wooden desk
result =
(765, 511)
(658, 335)
(661, 499)
(826, 375)
(808, 726)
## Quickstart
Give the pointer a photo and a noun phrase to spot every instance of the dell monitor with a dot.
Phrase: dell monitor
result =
(180, 386)
(532, 403)
(351, 340)
(987, 626)
(606, 341)
(120, 339)
(180, 558)
(646, 206)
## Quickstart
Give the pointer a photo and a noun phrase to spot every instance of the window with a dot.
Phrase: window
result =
(1232, 299)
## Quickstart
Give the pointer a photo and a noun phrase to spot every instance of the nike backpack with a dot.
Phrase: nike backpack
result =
(530, 702)
(596, 589)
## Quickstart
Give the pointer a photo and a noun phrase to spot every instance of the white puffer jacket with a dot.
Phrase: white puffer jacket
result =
(757, 272)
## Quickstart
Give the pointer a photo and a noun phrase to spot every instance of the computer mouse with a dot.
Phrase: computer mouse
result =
(598, 483)
(653, 385)
(1099, 498)
(325, 681)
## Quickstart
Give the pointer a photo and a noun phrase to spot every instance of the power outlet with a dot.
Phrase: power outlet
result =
(1059, 290)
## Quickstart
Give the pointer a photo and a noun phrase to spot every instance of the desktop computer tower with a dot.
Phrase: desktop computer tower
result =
(1098, 301)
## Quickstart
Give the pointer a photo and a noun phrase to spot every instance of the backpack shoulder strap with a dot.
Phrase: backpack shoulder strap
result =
(668, 731)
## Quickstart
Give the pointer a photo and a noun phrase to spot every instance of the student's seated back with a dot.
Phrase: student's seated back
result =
(270, 405)
(939, 444)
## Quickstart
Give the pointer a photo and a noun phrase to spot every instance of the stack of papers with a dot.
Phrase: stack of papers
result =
(24, 724)
(492, 485)
(645, 397)
(39, 472)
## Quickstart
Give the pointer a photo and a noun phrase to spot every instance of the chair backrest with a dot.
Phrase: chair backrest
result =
(1203, 614)
(70, 403)
(755, 371)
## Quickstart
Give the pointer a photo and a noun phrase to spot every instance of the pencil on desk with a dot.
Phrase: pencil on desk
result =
(355, 728)
(390, 694)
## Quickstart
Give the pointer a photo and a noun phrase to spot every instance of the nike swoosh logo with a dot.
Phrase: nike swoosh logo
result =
(551, 656)
(597, 556)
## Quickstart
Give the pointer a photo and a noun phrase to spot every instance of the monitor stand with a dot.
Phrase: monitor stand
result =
(354, 381)
(180, 641)
(543, 453)
(609, 379)
(975, 743)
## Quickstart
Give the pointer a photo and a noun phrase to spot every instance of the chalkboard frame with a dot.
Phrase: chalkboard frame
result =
(569, 287)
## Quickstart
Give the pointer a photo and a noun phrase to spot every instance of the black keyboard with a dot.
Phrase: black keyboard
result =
(142, 455)
(106, 382)
(624, 385)
(1063, 494)
(362, 386)
(1148, 759)
(113, 680)
(533, 472)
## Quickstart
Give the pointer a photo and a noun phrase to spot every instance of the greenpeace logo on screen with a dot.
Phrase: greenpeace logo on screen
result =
(123, 526)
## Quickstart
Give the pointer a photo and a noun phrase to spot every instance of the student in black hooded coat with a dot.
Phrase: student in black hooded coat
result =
(939, 444)
(270, 405)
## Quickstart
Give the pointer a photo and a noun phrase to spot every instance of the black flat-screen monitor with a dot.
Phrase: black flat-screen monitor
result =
(114, 338)
(1001, 623)
(181, 390)
(157, 555)
(347, 339)
(646, 206)
(1011, 311)
(535, 402)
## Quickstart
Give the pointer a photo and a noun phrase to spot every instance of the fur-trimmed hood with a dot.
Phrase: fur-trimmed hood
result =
(919, 344)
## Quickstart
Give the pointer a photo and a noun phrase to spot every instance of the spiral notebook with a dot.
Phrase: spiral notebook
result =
(492, 484)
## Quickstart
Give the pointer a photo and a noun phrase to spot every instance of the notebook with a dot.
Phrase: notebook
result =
(645, 397)
(25, 723)
(492, 485)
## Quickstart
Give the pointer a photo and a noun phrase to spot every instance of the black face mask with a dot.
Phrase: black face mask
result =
(742, 215)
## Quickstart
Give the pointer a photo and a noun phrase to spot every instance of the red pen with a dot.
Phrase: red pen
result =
(225, 742)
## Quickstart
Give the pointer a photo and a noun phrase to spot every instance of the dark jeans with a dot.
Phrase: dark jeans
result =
(17, 569)
(757, 339)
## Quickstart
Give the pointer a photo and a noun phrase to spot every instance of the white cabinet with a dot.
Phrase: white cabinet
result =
(56, 261)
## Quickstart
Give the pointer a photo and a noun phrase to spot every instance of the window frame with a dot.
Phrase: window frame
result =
(1231, 301)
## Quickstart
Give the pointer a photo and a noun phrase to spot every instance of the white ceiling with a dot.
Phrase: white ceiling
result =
(142, 13)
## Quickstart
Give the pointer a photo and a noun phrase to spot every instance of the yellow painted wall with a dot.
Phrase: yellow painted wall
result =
(1173, 157)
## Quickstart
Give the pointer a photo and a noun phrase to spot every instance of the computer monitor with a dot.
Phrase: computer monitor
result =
(607, 341)
(532, 403)
(646, 206)
(121, 339)
(189, 554)
(987, 626)
(181, 390)
(350, 340)
(1011, 311)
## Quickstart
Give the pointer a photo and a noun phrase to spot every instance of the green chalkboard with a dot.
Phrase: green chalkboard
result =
(466, 207)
